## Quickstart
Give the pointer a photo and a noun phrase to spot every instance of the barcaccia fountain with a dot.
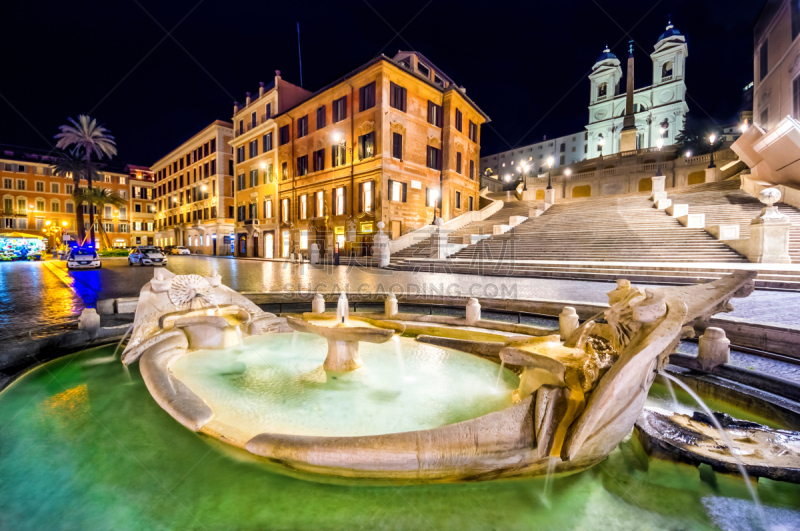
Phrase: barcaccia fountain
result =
(558, 403)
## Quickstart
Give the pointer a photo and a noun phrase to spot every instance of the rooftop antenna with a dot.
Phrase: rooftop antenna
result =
(299, 55)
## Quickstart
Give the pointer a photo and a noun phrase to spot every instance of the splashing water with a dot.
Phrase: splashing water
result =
(398, 350)
(728, 442)
(342, 308)
(548, 480)
(294, 342)
(671, 392)
(499, 375)
(112, 357)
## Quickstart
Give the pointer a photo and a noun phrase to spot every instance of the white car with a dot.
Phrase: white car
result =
(147, 256)
(180, 249)
(83, 259)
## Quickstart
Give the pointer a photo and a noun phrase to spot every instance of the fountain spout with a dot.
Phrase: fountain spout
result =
(342, 308)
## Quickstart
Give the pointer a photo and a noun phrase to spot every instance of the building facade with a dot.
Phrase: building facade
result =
(505, 167)
(776, 63)
(396, 140)
(194, 193)
(34, 199)
(142, 205)
(661, 105)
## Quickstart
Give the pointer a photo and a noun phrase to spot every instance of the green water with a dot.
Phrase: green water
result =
(83, 447)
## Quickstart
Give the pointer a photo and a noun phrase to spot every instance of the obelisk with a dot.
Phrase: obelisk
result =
(627, 137)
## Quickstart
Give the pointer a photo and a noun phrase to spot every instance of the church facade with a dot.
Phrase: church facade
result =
(661, 105)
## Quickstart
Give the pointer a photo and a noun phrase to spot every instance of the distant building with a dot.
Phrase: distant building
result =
(776, 59)
(142, 205)
(194, 193)
(565, 150)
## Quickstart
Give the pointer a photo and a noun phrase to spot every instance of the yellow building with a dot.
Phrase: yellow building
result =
(383, 143)
(194, 193)
(35, 200)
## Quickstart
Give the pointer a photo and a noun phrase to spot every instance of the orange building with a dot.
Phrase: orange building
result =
(142, 205)
(395, 140)
(194, 193)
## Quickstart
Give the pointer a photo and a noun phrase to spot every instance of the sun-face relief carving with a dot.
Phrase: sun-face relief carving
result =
(367, 126)
(190, 292)
(435, 141)
(397, 127)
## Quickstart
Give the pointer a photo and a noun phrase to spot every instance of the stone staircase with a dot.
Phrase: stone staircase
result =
(723, 203)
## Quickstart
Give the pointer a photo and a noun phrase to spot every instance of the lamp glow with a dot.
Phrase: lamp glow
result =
(688, 154)
(263, 165)
(660, 143)
(712, 138)
(743, 127)
(550, 161)
(568, 172)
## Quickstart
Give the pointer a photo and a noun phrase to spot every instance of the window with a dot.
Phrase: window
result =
(472, 170)
(304, 239)
(459, 120)
(304, 206)
(366, 145)
(205, 149)
(20, 184)
(339, 109)
(319, 207)
(284, 135)
(434, 114)
(267, 208)
(321, 121)
(39, 186)
(366, 197)
(458, 162)
(122, 180)
(302, 165)
(339, 203)
(397, 97)
(284, 170)
(70, 207)
(240, 154)
(8, 184)
(562, 148)
(39, 205)
(266, 143)
(253, 178)
(319, 160)
(366, 97)
(252, 211)
(240, 182)
(458, 199)
(253, 148)
(561, 159)
(473, 132)
(22, 206)
(240, 213)
(302, 126)
(268, 174)
(137, 207)
(253, 120)
(763, 61)
(397, 191)
(434, 160)
(55, 206)
(397, 146)
(602, 90)
(471, 203)
(268, 111)
(338, 155)
(666, 71)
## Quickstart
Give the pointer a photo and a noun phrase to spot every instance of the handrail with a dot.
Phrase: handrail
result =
(421, 234)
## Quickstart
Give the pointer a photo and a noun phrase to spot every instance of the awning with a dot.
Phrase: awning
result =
(20, 235)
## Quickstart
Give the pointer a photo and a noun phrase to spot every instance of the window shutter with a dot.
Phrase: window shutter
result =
(430, 109)
(361, 147)
(392, 96)
(344, 195)
(333, 203)
(403, 93)
(405, 190)
(372, 195)
(427, 196)
(361, 197)
(390, 190)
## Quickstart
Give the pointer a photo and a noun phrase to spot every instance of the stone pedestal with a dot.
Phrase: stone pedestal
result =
(550, 196)
(567, 322)
(438, 241)
(380, 246)
(89, 321)
(658, 183)
(711, 174)
(342, 356)
(627, 139)
(714, 349)
(473, 312)
(390, 305)
(318, 304)
(313, 256)
(769, 232)
(663, 204)
(658, 196)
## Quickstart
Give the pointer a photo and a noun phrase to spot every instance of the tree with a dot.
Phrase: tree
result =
(71, 164)
(98, 198)
(694, 136)
(93, 138)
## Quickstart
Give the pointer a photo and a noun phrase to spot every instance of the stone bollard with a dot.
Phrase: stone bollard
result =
(390, 306)
(318, 304)
(89, 321)
(314, 254)
(380, 249)
(658, 183)
(473, 311)
(769, 232)
(567, 322)
(714, 350)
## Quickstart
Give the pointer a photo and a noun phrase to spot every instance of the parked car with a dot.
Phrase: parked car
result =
(179, 249)
(83, 258)
(146, 255)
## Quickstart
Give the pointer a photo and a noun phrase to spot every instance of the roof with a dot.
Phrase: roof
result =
(397, 64)
(606, 55)
(43, 156)
(670, 31)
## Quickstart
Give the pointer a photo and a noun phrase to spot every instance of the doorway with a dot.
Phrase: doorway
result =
(214, 245)
(255, 245)
(243, 244)
(269, 245)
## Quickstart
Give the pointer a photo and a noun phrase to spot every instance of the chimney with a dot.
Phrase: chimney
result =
(260, 88)
(247, 101)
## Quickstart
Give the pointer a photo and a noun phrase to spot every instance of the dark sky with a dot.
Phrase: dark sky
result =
(524, 63)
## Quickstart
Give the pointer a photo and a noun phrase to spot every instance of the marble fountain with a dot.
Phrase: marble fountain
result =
(415, 398)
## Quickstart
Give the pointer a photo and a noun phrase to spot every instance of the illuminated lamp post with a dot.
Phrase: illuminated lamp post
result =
(550, 161)
(711, 140)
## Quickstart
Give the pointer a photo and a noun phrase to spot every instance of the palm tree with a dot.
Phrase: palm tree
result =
(71, 164)
(94, 139)
(98, 198)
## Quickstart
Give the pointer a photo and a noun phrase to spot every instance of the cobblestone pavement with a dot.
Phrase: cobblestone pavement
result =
(35, 297)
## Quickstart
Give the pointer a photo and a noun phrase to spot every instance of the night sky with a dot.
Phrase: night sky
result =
(524, 63)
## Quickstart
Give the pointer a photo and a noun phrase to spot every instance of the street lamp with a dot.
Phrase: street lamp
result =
(743, 127)
(550, 161)
(660, 144)
(711, 140)
(523, 169)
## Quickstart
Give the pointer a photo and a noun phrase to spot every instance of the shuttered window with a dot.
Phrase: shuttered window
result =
(366, 97)
(459, 120)
(397, 97)
(339, 109)
(397, 146)
(434, 114)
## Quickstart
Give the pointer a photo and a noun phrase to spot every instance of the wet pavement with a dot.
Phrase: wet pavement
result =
(39, 296)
